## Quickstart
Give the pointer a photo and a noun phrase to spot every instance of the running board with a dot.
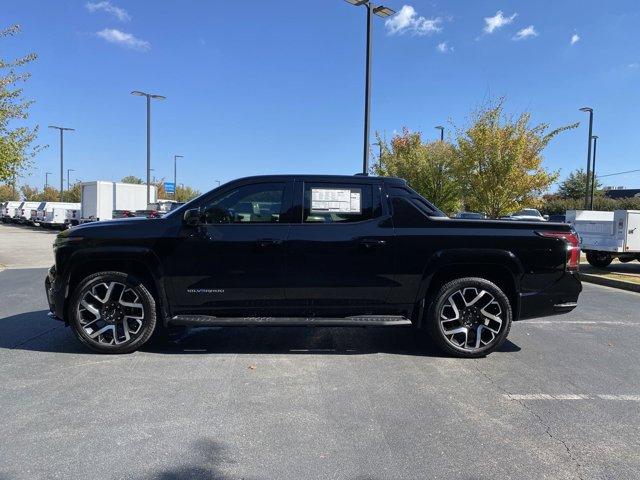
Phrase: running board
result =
(358, 321)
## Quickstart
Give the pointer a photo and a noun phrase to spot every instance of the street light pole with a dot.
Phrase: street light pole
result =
(381, 11)
(62, 130)
(46, 180)
(175, 174)
(441, 128)
(593, 170)
(68, 183)
(149, 96)
(587, 190)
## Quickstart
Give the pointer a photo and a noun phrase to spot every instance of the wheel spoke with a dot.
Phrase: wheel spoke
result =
(471, 318)
(91, 309)
(111, 313)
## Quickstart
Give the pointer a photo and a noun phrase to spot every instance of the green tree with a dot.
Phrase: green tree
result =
(72, 194)
(427, 167)
(132, 179)
(574, 186)
(16, 150)
(499, 164)
(29, 193)
(184, 194)
(50, 194)
(7, 193)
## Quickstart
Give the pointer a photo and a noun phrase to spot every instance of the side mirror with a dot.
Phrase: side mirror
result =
(546, 217)
(192, 217)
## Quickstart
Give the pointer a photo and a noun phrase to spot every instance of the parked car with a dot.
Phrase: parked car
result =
(559, 218)
(471, 215)
(311, 250)
(23, 213)
(528, 215)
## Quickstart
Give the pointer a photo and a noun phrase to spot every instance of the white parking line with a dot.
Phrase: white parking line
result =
(583, 322)
(571, 396)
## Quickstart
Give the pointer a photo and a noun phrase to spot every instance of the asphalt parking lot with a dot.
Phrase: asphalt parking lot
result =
(560, 400)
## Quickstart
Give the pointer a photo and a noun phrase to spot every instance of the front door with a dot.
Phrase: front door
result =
(339, 257)
(232, 264)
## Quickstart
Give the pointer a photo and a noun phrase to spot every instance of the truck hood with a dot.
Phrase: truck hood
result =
(135, 227)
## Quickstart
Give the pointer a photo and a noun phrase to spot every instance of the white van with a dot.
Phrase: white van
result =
(56, 216)
(23, 214)
(9, 210)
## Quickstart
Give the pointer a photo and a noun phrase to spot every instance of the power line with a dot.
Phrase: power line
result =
(619, 173)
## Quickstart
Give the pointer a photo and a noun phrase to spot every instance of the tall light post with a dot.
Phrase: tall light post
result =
(593, 171)
(441, 128)
(69, 183)
(62, 130)
(380, 11)
(149, 97)
(46, 179)
(175, 173)
(587, 190)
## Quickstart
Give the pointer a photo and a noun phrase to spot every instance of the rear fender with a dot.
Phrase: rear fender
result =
(454, 263)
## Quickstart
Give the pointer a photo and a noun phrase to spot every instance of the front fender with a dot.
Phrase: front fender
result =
(103, 256)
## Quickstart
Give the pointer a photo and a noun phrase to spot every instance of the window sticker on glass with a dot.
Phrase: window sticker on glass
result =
(335, 200)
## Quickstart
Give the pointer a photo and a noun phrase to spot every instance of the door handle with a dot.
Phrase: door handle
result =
(268, 242)
(372, 243)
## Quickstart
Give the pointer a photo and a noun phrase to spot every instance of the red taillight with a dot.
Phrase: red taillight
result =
(573, 247)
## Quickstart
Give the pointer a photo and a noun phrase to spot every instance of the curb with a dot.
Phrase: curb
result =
(609, 282)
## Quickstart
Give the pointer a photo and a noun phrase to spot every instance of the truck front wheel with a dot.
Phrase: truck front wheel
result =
(112, 312)
(469, 317)
(599, 259)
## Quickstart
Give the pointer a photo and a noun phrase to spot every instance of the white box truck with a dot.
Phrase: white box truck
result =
(607, 235)
(100, 199)
(54, 214)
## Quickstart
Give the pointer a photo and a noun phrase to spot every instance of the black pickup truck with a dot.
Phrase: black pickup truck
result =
(311, 250)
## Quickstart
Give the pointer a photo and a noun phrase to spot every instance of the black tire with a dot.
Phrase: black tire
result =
(80, 318)
(599, 259)
(471, 317)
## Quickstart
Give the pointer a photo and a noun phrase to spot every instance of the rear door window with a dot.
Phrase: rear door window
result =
(338, 203)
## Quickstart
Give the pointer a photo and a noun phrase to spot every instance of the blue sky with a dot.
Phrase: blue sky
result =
(276, 87)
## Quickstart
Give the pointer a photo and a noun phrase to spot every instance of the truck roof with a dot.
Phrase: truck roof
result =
(325, 178)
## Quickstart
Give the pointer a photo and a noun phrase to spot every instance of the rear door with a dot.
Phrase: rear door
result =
(339, 253)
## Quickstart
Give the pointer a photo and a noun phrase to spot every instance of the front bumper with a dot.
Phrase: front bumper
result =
(55, 298)
(559, 297)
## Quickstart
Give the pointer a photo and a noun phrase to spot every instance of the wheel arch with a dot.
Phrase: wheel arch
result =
(501, 267)
(139, 262)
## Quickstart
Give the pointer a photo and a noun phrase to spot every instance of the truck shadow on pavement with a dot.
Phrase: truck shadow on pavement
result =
(34, 331)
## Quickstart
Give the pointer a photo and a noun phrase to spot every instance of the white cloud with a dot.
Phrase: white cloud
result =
(128, 40)
(408, 21)
(444, 47)
(497, 21)
(526, 33)
(575, 38)
(120, 13)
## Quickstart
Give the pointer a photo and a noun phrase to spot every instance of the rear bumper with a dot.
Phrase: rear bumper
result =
(557, 298)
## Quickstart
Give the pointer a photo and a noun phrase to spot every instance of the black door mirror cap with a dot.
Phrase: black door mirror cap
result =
(192, 217)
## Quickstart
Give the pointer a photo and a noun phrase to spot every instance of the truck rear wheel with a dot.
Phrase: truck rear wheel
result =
(599, 259)
(112, 312)
(469, 317)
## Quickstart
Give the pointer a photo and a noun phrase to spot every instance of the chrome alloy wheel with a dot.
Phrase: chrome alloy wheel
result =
(471, 319)
(111, 313)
